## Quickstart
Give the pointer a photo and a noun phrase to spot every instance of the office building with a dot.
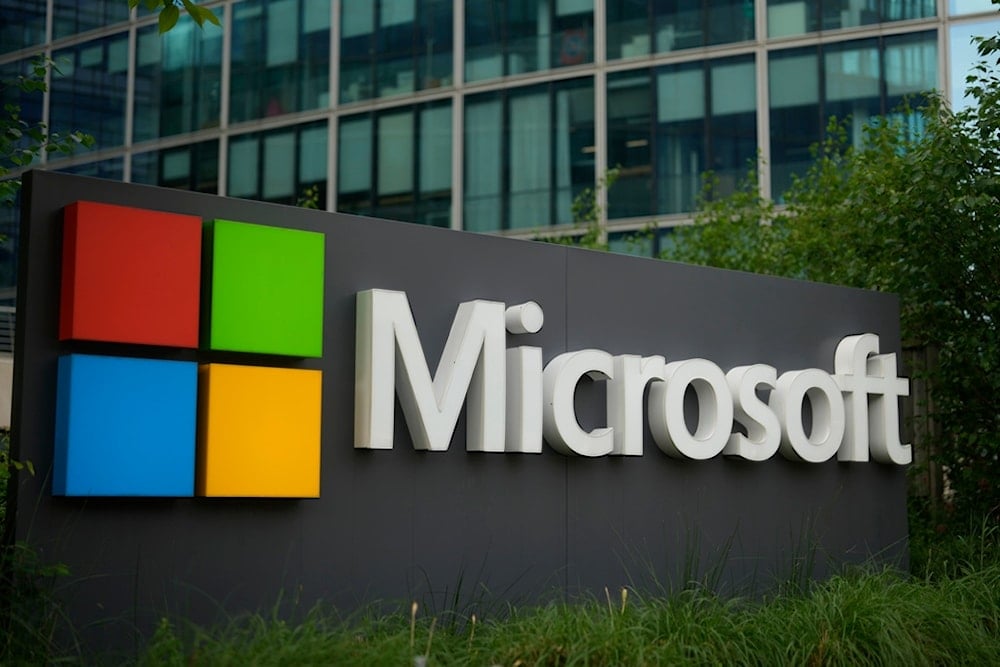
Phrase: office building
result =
(488, 116)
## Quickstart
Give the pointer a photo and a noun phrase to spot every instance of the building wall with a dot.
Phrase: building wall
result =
(485, 116)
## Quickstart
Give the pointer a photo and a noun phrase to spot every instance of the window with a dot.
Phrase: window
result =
(796, 17)
(280, 58)
(528, 152)
(508, 37)
(194, 167)
(396, 164)
(280, 165)
(177, 80)
(669, 125)
(959, 7)
(71, 17)
(88, 91)
(963, 56)
(853, 81)
(22, 24)
(638, 28)
(394, 48)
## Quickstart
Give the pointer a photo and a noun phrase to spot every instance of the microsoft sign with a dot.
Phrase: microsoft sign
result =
(226, 401)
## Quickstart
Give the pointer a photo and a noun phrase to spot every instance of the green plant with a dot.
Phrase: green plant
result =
(170, 12)
(22, 141)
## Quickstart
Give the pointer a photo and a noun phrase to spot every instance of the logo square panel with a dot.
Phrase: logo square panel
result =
(130, 276)
(266, 290)
(124, 427)
(259, 431)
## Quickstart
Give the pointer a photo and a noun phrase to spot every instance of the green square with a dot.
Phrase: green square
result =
(267, 289)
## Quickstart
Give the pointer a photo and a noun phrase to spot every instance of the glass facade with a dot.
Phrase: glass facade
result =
(508, 37)
(89, 88)
(394, 48)
(481, 115)
(279, 166)
(796, 17)
(963, 55)
(396, 164)
(71, 17)
(851, 81)
(638, 27)
(280, 58)
(178, 81)
(528, 152)
(668, 126)
(193, 167)
(22, 24)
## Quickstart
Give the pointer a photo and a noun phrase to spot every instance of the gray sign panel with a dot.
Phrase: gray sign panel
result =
(402, 524)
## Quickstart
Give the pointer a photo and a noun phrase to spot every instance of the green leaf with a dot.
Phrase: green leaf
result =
(168, 18)
(194, 11)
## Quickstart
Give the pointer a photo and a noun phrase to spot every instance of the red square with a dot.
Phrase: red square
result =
(130, 275)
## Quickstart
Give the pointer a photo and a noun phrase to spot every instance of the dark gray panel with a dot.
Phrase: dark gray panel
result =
(446, 526)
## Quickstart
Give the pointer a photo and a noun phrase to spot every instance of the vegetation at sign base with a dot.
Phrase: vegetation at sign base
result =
(878, 618)
(914, 210)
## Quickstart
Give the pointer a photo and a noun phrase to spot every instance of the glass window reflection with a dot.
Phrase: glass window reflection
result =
(394, 48)
(528, 153)
(71, 17)
(280, 58)
(670, 125)
(507, 37)
(194, 167)
(638, 28)
(284, 166)
(88, 90)
(177, 80)
(861, 79)
(396, 164)
(22, 24)
(797, 17)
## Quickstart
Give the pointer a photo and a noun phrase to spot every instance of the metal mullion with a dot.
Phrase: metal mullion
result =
(226, 73)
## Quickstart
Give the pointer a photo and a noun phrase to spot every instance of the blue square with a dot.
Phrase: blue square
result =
(125, 427)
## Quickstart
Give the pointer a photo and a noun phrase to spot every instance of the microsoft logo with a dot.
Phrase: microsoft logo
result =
(135, 415)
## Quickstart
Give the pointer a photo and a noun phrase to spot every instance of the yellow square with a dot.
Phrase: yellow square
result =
(258, 431)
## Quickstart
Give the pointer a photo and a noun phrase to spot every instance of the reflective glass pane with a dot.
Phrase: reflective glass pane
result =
(354, 164)
(902, 10)
(112, 169)
(22, 24)
(511, 37)
(244, 158)
(72, 17)
(962, 56)
(193, 167)
(910, 66)
(279, 166)
(177, 80)
(667, 127)
(631, 105)
(796, 116)
(528, 153)
(796, 17)
(791, 17)
(958, 7)
(483, 162)
(394, 48)
(88, 91)
(395, 153)
(280, 58)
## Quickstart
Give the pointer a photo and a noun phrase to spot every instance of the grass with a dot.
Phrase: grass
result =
(946, 612)
(859, 618)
